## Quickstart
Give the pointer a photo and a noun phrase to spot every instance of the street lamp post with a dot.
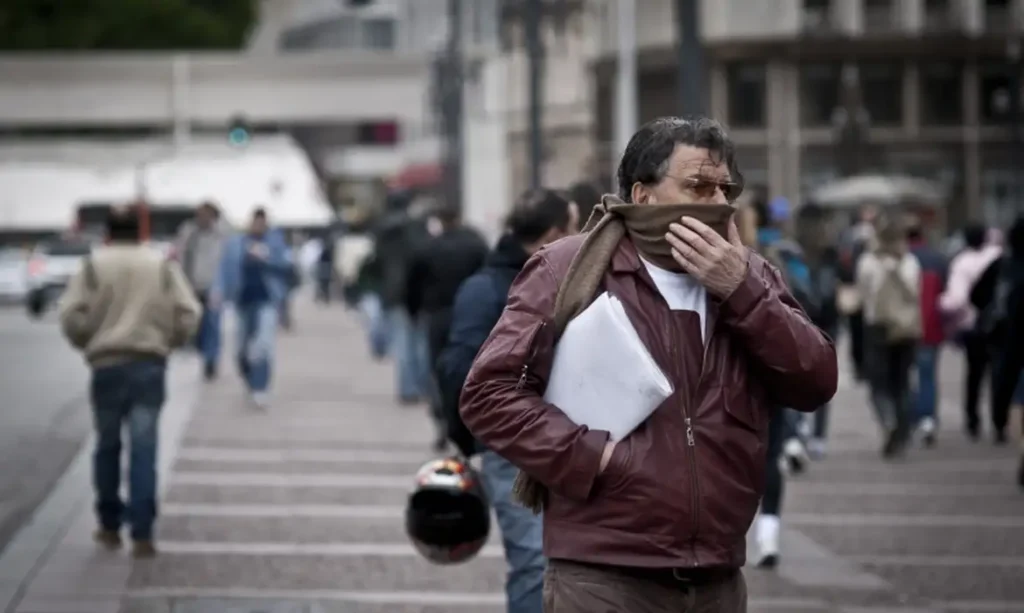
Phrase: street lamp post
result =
(451, 103)
(1016, 116)
(535, 54)
(626, 86)
(690, 53)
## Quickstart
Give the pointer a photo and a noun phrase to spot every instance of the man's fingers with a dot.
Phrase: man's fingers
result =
(688, 266)
(692, 237)
(734, 233)
(704, 231)
(685, 250)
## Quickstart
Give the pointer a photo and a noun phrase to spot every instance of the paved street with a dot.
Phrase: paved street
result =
(299, 510)
(44, 418)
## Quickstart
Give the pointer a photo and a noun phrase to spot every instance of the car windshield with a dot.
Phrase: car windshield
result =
(67, 248)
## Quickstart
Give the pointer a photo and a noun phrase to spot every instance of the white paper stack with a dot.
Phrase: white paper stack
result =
(603, 376)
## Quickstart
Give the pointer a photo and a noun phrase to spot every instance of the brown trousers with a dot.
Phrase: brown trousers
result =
(577, 588)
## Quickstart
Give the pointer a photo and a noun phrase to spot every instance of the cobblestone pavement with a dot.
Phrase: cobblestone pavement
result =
(298, 510)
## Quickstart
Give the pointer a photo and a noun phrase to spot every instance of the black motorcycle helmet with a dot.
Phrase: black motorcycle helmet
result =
(447, 516)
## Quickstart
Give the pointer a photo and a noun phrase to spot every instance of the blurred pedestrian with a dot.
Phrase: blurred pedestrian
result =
(660, 516)
(200, 246)
(254, 276)
(126, 309)
(436, 270)
(396, 238)
(585, 196)
(538, 218)
(999, 298)
(934, 271)
(854, 242)
(965, 271)
(364, 294)
(324, 269)
(889, 280)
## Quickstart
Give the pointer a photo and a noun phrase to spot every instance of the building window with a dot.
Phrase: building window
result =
(817, 15)
(819, 93)
(747, 92)
(882, 88)
(378, 33)
(942, 93)
(938, 15)
(878, 15)
(997, 15)
(995, 97)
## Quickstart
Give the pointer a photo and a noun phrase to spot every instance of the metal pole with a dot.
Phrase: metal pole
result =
(690, 51)
(1017, 121)
(452, 107)
(535, 53)
(626, 91)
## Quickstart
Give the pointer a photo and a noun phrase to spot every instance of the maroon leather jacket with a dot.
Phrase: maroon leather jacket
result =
(682, 489)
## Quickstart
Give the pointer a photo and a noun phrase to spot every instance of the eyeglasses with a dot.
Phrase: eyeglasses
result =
(704, 187)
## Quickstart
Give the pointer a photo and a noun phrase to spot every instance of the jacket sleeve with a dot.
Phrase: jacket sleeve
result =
(78, 312)
(477, 308)
(796, 361)
(502, 403)
(187, 309)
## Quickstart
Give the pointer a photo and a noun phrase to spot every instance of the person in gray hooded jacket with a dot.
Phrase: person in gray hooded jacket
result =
(199, 248)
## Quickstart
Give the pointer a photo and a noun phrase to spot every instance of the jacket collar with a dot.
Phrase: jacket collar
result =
(626, 258)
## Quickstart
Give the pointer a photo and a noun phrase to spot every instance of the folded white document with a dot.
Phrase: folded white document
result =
(603, 376)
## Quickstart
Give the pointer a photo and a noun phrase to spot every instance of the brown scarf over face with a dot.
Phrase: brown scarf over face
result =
(611, 220)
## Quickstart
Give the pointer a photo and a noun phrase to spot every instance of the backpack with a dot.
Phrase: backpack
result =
(897, 310)
(992, 319)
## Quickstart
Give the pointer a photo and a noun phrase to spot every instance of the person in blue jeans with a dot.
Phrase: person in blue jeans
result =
(934, 271)
(200, 247)
(126, 309)
(255, 276)
(539, 217)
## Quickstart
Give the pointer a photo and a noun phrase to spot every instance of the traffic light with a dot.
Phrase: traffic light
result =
(239, 132)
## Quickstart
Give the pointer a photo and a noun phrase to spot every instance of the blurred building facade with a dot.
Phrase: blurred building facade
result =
(935, 80)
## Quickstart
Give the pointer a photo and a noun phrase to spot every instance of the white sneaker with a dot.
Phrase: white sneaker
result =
(928, 429)
(768, 540)
(796, 456)
(260, 400)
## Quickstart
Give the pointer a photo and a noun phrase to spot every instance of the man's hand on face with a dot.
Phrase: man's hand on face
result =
(718, 264)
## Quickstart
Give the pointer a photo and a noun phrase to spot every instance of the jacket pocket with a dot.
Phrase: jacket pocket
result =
(617, 473)
(743, 407)
(512, 351)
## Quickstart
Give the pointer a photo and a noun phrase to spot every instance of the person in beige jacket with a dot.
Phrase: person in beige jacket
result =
(126, 310)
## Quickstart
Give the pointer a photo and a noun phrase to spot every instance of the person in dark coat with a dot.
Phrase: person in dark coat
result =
(539, 217)
(396, 239)
(999, 298)
(436, 271)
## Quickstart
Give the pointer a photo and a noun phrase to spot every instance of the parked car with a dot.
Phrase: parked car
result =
(49, 268)
(13, 275)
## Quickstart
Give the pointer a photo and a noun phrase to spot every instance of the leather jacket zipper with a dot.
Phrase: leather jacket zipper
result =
(691, 441)
(531, 354)
(691, 444)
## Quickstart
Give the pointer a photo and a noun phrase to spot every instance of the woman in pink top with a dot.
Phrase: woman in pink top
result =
(982, 249)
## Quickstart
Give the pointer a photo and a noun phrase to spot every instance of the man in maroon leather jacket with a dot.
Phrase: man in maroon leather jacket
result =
(657, 521)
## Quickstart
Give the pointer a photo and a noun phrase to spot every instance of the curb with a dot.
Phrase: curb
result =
(35, 543)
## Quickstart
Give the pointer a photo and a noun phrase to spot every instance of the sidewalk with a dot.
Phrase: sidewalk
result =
(299, 510)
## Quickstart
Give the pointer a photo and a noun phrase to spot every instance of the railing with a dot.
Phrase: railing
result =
(882, 18)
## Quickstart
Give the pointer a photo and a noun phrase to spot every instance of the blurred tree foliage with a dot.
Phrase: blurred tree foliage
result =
(145, 25)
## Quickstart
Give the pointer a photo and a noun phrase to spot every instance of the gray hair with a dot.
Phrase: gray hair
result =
(647, 155)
